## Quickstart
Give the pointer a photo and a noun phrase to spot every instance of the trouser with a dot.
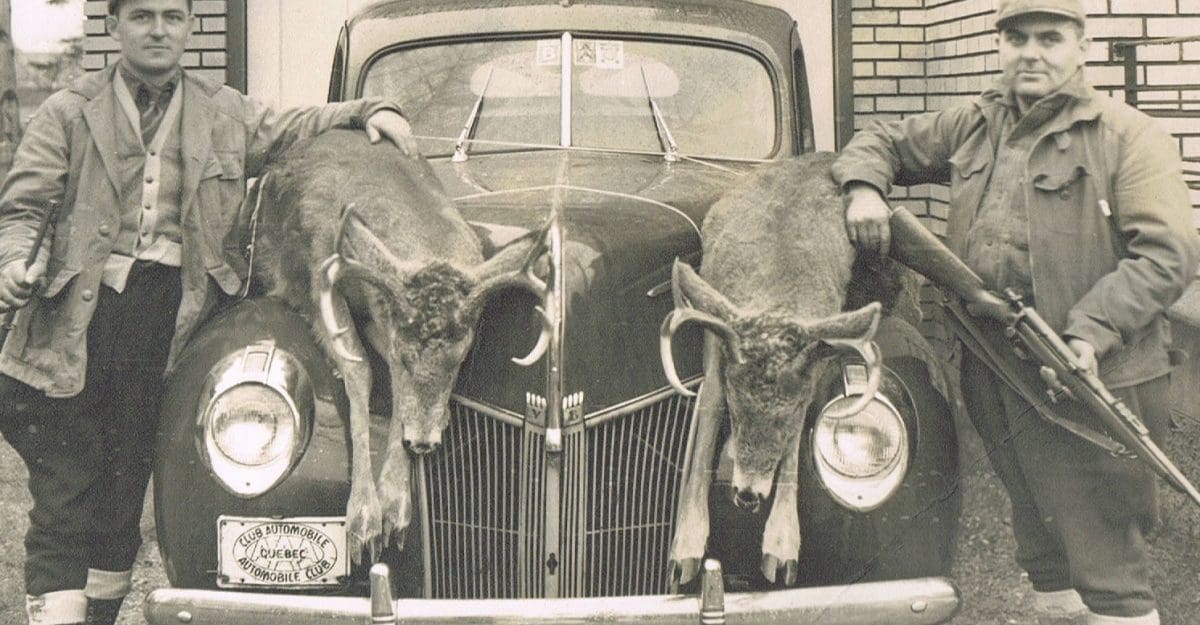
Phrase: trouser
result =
(1079, 514)
(89, 456)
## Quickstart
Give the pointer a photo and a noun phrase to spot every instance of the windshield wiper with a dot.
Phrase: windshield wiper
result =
(660, 125)
(460, 149)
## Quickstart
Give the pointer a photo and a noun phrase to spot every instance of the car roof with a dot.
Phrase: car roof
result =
(699, 11)
(387, 22)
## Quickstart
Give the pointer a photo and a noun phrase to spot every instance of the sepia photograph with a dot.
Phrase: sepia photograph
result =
(818, 312)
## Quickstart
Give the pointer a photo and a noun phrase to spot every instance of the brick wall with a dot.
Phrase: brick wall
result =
(206, 49)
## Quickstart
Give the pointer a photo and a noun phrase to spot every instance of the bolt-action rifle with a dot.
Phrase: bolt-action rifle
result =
(48, 219)
(1027, 353)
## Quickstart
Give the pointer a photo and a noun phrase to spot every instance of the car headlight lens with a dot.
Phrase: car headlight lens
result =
(252, 424)
(255, 414)
(861, 459)
(861, 445)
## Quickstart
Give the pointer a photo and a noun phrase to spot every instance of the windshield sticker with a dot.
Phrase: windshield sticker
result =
(547, 51)
(610, 54)
(601, 54)
(585, 52)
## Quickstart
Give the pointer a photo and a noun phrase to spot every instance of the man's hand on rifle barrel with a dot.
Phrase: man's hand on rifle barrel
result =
(17, 284)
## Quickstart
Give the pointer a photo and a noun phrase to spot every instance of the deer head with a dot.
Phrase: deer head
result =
(430, 311)
(770, 365)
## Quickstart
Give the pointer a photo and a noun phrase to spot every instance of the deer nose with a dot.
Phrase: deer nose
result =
(422, 448)
(747, 499)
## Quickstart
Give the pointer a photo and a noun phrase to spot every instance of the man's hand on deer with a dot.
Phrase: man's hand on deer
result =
(391, 125)
(867, 215)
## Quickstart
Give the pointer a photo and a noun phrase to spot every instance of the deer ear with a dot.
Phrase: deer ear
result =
(690, 290)
(855, 326)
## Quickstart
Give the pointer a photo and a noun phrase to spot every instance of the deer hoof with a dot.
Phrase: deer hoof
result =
(681, 572)
(364, 523)
(783, 572)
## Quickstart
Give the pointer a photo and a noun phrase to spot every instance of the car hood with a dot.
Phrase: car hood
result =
(623, 219)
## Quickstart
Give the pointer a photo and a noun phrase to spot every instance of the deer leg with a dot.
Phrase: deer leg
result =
(395, 477)
(691, 523)
(395, 485)
(364, 516)
(781, 535)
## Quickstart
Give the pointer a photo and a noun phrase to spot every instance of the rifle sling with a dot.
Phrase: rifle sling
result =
(1002, 366)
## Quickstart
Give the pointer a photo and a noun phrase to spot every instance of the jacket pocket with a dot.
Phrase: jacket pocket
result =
(968, 168)
(1063, 192)
(220, 194)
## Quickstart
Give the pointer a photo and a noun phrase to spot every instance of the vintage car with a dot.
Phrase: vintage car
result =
(553, 496)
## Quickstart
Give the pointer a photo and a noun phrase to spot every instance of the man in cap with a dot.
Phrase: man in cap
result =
(1076, 201)
(150, 163)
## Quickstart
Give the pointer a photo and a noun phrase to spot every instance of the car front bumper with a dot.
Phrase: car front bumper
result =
(924, 601)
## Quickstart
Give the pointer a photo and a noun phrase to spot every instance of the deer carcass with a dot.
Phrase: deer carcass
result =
(364, 242)
(772, 293)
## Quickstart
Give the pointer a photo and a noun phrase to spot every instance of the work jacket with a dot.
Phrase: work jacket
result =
(1111, 241)
(69, 153)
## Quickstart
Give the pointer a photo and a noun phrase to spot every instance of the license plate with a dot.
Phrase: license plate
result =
(252, 551)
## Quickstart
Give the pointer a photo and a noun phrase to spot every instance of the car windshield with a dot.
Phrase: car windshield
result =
(624, 95)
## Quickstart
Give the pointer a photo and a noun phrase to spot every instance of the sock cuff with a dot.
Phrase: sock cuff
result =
(108, 584)
(1100, 619)
(56, 608)
(1063, 602)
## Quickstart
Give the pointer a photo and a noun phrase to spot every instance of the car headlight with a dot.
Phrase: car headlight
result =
(252, 424)
(862, 458)
(252, 421)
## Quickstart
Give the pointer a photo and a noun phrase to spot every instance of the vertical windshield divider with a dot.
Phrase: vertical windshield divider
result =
(567, 57)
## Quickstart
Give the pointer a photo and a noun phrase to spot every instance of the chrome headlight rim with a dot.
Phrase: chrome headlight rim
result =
(868, 492)
(279, 372)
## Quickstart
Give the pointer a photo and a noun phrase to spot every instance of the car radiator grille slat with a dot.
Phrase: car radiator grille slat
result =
(621, 475)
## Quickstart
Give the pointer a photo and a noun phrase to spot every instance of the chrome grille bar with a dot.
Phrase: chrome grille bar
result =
(488, 501)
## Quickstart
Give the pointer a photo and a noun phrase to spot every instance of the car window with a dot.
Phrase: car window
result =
(711, 100)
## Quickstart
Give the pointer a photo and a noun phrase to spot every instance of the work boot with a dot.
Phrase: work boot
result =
(1062, 607)
(63, 607)
(103, 611)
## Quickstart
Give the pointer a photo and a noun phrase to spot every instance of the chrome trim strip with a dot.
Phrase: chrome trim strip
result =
(426, 531)
(571, 187)
(497, 413)
(637, 403)
(567, 59)
(923, 601)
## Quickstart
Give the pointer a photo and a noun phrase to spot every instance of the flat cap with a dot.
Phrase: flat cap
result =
(1009, 9)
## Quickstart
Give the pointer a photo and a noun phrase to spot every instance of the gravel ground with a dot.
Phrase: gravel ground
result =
(992, 587)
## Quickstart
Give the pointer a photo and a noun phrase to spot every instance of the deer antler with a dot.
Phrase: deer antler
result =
(677, 318)
(862, 343)
(338, 267)
(506, 270)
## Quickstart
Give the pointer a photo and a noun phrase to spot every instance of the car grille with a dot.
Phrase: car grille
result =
(489, 512)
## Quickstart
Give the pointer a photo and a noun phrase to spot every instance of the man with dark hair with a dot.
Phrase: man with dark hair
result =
(1076, 201)
(149, 163)
(115, 5)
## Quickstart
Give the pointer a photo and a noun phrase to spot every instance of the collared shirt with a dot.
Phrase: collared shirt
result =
(152, 181)
(152, 100)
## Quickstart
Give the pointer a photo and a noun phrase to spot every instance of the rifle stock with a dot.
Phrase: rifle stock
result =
(919, 249)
